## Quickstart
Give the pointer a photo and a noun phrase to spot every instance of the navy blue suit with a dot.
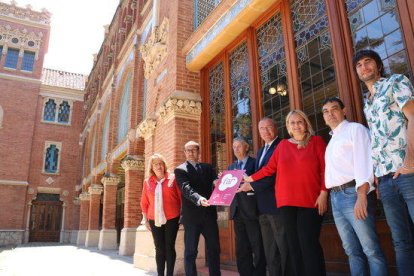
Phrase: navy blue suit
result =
(249, 246)
(273, 232)
(198, 220)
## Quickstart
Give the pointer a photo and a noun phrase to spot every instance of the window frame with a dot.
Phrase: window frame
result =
(59, 147)
(7, 58)
(58, 102)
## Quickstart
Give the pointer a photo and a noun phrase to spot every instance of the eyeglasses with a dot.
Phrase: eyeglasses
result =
(191, 150)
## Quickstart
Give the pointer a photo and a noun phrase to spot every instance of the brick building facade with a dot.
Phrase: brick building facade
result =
(41, 118)
(208, 70)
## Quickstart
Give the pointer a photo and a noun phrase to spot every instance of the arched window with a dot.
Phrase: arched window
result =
(105, 136)
(49, 112)
(64, 112)
(92, 160)
(51, 158)
(123, 117)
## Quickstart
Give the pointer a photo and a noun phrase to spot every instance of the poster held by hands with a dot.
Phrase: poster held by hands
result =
(226, 187)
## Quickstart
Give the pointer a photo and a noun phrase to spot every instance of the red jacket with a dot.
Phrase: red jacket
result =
(171, 196)
(300, 173)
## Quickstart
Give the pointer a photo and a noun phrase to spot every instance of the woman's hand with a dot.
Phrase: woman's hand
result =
(322, 202)
(247, 179)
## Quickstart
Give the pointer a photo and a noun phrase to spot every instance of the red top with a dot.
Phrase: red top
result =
(300, 172)
(171, 197)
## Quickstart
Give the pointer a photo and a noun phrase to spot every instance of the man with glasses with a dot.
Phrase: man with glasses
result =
(198, 217)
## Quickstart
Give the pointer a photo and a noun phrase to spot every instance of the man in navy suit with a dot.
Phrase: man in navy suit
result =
(273, 232)
(198, 217)
(243, 211)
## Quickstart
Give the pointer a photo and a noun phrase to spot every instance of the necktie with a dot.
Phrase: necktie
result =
(239, 165)
(198, 168)
(263, 154)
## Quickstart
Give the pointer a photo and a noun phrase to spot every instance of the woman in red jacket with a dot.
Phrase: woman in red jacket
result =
(301, 195)
(160, 204)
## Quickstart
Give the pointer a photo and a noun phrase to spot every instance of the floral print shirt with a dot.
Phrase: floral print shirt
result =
(387, 122)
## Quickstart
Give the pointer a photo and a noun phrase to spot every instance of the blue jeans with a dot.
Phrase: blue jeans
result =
(359, 237)
(396, 195)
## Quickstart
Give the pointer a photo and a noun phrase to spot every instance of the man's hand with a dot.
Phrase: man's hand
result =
(403, 170)
(361, 207)
(204, 202)
(322, 202)
(247, 178)
(245, 187)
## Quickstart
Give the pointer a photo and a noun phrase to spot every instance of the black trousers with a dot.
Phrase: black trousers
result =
(249, 247)
(303, 227)
(164, 241)
(209, 229)
(275, 245)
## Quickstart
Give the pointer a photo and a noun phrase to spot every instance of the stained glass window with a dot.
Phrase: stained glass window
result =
(51, 159)
(28, 61)
(375, 24)
(240, 93)
(273, 77)
(314, 55)
(217, 118)
(105, 136)
(11, 58)
(123, 116)
(64, 112)
(49, 111)
(202, 9)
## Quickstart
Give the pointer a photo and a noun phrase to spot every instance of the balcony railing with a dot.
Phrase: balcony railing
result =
(202, 8)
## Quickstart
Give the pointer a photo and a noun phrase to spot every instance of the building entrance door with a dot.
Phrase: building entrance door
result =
(45, 219)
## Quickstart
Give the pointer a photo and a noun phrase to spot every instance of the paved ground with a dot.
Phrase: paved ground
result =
(37, 259)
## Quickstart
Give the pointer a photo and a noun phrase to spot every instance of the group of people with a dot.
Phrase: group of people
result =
(279, 207)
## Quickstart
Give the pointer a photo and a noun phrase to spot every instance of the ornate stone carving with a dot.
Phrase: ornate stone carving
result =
(179, 106)
(76, 201)
(84, 196)
(133, 163)
(110, 179)
(27, 13)
(95, 189)
(21, 39)
(155, 50)
(146, 128)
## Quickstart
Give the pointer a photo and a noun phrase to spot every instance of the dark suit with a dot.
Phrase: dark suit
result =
(198, 219)
(249, 246)
(273, 233)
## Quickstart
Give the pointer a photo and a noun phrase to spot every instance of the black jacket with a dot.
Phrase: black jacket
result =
(244, 204)
(265, 187)
(192, 186)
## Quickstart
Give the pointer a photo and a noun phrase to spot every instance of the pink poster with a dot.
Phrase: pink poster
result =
(226, 187)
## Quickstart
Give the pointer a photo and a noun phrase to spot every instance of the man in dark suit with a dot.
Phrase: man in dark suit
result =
(273, 232)
(243, 211)
(198, 217)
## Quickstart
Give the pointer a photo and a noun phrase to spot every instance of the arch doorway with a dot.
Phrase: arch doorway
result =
(45, 218)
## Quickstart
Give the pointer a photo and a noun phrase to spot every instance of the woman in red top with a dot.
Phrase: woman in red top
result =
(301, 194)
(160, 204)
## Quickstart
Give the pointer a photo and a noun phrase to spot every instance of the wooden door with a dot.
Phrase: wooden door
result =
(45, 221)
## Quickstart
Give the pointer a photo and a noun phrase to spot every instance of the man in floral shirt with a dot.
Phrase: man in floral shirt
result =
(389, 110)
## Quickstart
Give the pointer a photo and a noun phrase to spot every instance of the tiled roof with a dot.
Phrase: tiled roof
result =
(63, 79)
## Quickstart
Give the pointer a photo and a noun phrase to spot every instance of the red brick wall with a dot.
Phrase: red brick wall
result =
(12, 205)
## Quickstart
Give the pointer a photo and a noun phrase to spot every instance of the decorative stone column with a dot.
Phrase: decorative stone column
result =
(92, 235)
(107, 237)
(62, 224)
(134, 176)
(83, 218)
(74, 233)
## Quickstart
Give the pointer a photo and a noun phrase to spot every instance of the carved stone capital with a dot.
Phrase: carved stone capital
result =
(110, 180)
(95, 189)
(182, 105)
(76, 201)
(146, 128)
(155, 50)
(133, 163)
(84, 196)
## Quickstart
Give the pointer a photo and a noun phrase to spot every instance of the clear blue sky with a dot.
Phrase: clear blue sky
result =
(76, 31)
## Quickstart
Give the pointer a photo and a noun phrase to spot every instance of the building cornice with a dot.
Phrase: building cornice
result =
(60, 92)
(13, 182)
(19, 78)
